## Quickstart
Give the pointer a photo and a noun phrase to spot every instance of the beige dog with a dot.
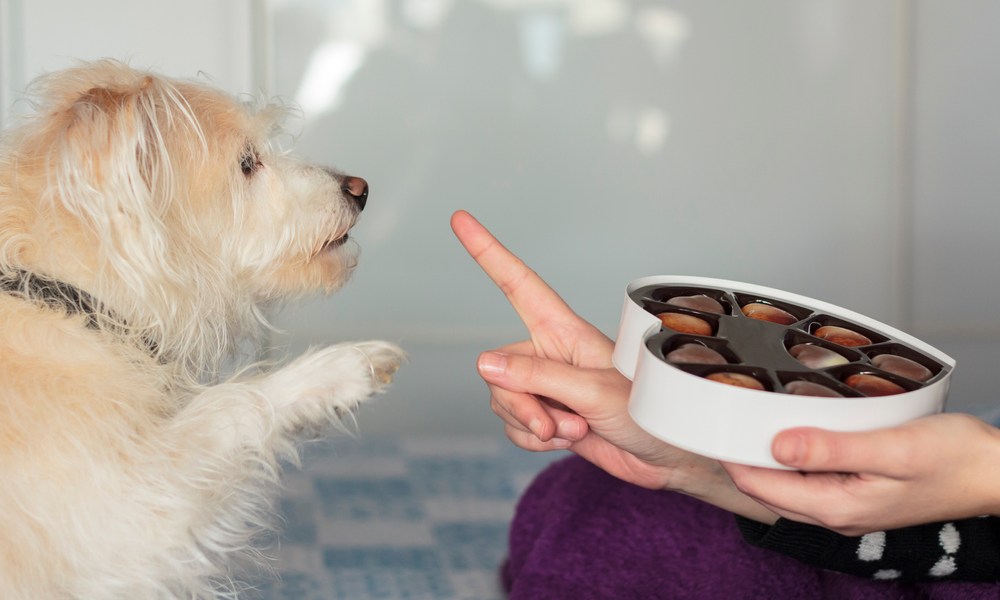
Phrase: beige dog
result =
(144, 225)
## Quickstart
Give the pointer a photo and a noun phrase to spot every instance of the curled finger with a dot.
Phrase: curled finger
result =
(527, 441)
(539, 416)
(521, 410)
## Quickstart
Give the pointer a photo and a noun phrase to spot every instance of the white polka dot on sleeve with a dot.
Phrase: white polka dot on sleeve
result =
(872, 546)
(950, 541)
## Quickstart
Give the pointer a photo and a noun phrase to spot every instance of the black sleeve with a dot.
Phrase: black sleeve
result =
(964, 550)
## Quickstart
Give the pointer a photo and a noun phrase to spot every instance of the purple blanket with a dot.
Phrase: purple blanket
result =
(580, 533)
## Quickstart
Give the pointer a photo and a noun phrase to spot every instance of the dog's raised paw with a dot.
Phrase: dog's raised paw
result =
(336, 378)
(385, 359)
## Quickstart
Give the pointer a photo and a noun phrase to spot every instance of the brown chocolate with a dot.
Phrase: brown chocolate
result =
(901, 366)
(698, 302)
(873, 385)
(809, 388)
(842, 336)
(696, 354)
(766, 312)
(736, 379)
(685, 323)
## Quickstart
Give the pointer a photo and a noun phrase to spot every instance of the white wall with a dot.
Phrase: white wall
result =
(185, 38)
(842, 149)
(955, 189)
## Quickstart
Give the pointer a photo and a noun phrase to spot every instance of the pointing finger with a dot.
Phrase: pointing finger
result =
(532, 299)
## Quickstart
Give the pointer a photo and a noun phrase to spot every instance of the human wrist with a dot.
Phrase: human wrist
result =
(706, 480)
(698, 477)
(992, 483)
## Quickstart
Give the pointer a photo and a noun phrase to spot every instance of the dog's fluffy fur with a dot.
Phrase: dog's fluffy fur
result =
(128, 467)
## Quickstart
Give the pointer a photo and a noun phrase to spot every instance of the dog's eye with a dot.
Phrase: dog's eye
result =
(249, 163)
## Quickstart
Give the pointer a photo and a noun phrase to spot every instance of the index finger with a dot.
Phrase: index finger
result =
(532, 298)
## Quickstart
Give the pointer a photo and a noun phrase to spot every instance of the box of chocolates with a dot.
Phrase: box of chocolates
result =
(719, 367)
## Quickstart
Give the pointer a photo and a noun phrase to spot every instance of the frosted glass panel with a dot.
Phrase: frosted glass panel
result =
(603, 140)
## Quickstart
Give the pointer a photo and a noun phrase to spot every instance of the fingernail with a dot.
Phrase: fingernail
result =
(492, 363)
(789, 449)
(568, 429)
(535, 426)
(561, 443)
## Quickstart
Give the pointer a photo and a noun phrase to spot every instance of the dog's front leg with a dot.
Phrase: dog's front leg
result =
(226, 443)
(316, 390)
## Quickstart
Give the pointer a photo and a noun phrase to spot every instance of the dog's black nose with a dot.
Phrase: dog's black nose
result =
(357, 189)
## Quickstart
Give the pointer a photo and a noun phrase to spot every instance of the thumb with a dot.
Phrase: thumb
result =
(812, 449)
(574, 387)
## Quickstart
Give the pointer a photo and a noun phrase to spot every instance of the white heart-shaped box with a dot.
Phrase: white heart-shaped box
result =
(737, 424)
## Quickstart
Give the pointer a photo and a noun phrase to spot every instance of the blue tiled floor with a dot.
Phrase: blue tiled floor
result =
(377, 517)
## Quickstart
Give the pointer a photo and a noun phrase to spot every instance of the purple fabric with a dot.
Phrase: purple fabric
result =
(580, 533)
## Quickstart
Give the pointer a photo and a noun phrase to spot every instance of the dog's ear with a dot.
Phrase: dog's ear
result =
(112, 168)
(113, 134)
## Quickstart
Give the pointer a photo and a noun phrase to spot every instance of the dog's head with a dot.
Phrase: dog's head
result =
(166, 200)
